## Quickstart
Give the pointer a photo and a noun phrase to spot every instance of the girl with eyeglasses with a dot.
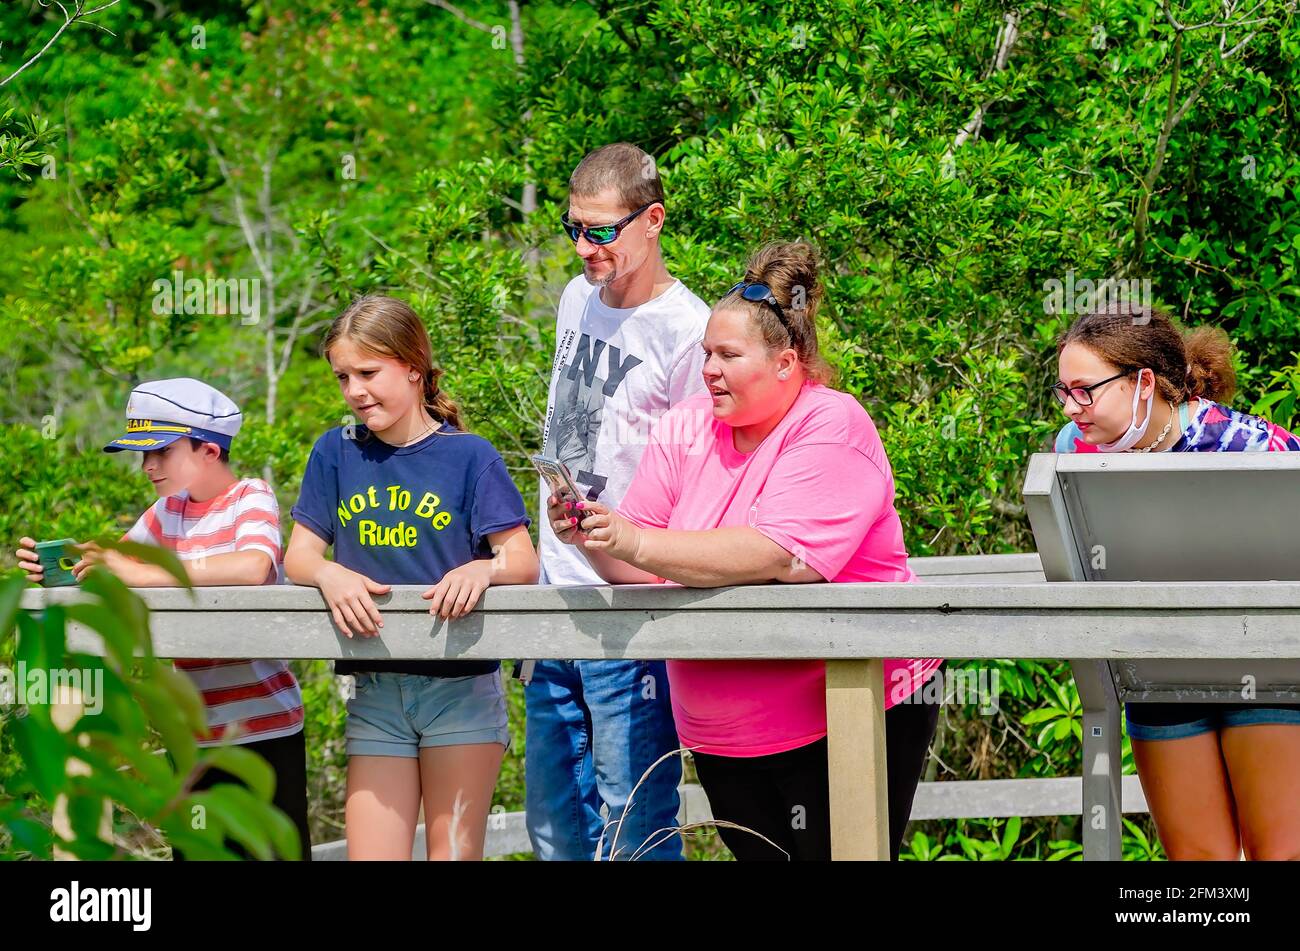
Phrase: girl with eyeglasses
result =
(1220, 779)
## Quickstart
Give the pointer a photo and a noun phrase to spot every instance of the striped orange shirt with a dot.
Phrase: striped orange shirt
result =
(262, 696)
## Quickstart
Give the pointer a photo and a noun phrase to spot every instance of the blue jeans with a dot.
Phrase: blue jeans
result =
(594, 727)
(401, 714)
(1176, 721)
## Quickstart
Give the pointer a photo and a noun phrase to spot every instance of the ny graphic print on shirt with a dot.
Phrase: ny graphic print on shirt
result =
(595, 370)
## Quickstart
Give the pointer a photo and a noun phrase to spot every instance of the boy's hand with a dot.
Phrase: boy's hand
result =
(130, 572)
(28, 560)
(347, 593)
(459, 590)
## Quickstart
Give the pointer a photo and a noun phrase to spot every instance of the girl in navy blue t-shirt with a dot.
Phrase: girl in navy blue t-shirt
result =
(409, 497)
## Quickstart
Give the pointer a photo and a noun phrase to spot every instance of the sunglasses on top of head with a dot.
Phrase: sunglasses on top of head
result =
(601, 234)
(760, 293)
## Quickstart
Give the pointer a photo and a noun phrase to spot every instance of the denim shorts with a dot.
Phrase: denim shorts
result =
(400, 714)
(1176, 721)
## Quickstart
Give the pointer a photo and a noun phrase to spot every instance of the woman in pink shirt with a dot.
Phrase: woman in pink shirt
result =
(770, 476)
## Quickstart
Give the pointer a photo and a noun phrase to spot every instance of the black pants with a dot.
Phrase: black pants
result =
(786, 796)
(287, 757)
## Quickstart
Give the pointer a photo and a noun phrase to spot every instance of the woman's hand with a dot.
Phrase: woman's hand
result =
(564, 515)
(459, 590)
(607, 531)
(347, 593)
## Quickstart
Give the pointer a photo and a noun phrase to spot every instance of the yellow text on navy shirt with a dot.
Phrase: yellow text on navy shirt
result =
(395, 499)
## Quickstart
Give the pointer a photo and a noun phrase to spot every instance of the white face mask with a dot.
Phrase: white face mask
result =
(1135, 432)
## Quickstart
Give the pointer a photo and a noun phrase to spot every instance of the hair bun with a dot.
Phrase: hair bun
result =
(790, 269)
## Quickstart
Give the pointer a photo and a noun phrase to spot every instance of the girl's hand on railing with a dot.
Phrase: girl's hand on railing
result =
(459, 590)
(564, 515)
(347, 593)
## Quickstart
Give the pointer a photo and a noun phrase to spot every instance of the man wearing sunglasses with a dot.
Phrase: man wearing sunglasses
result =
(627, 348)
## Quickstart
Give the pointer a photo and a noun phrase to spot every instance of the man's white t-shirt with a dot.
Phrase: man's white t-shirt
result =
(616, 371)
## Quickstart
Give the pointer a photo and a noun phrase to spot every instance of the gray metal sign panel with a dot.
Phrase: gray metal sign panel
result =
(1184, 517)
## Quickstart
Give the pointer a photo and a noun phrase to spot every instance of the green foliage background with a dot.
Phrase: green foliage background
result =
(331, 148)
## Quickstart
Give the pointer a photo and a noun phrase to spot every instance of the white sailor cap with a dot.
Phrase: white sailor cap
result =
(161, 412)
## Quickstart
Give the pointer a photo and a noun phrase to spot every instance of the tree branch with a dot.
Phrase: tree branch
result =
(1007, 35)
(1176, 111)
(78, 13)
(608, 14)
(303, 310)
(460, 14)
(245, 225)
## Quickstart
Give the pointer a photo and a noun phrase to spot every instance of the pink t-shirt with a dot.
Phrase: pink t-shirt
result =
(819, 486)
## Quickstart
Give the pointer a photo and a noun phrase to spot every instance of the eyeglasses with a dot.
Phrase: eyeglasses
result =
(1081, 394)
(600, 234)
(761, 294)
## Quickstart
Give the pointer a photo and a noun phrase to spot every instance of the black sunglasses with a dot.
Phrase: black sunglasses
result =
(761, 294)
(1081, 394)
(600, 234)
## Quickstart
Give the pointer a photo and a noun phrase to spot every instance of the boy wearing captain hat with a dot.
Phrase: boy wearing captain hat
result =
(159, 413)
(226, 531)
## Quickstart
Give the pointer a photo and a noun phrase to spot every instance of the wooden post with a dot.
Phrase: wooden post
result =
(855, 726)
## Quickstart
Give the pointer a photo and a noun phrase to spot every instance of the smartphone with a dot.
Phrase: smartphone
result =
(558, 477)
(56, 565)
